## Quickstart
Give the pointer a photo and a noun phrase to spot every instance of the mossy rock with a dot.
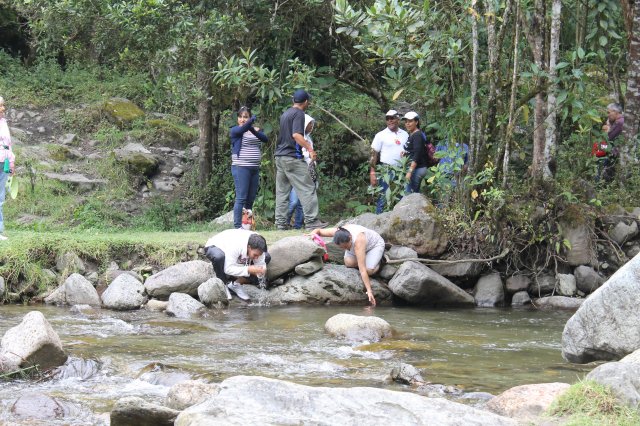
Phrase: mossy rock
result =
(168, 133)
(60, 152)
(141, 163)
(122, 111)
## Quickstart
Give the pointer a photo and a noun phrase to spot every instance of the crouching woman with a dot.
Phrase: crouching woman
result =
(363, 247)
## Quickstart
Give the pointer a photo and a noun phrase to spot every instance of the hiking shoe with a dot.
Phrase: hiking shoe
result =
(226, 289)
(238, 290)
(316, 224)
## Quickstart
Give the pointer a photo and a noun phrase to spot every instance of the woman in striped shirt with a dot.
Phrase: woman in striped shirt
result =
(245, 162)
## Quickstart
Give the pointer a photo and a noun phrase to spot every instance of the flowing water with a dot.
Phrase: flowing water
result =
(143, 353)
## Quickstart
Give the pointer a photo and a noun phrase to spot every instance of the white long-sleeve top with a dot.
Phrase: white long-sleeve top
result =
(234, 244)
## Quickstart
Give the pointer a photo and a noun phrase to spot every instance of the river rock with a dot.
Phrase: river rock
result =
(111, 274)
(69, 262)
(420, 285)
(401, 253)
(462, 273)
(76, 290)
(489, 291)
(521, 298)
(606, 325)
(622, 232)
(183, 277)
(336, 254)
(40, 406)
(334, 284)
(290, 252)
(579, 235)
(517, 283)
(358, 328)
(622, 377)
(633, 357)
(33, 342)
(558, 302)
(183, 306)
(406, 374)
(124, 293)
(155, 305)
(388, 271)
(587, 279)
(543, 284)
(259, 400)
(566, 285)
(191, 392)
(527, 401)
(212, 292)
(310, 267)
(134, 411)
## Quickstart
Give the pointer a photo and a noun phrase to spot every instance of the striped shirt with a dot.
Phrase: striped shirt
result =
(250, 154)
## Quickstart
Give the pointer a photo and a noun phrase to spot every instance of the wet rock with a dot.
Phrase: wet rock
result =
(623, 232)
(420, 285)
(521, 298)
(542, 284)
(188, 393)
(164, 377)
(134, 411)
(358, 328)
(606, 325)
(76, 290)
(212, 292)
(83, 309)
(623, 378)
(124, 293)
(33, 342)
(77, 368)
(526, 402)
(558, 302)
(70, 262)
(184, 277)
(518, 283)
(279, 402)
(156, 305)
(290, 252)
(310, 267)
(587, 279)
(566, 285)
(406, 374)
(334, 284)
(183, 306)
(39, 406)
(434, 390)
(489, 291)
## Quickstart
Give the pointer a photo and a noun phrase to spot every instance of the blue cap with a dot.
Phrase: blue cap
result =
(301, 95)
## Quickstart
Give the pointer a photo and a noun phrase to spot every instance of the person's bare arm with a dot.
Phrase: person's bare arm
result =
(360, 245)
(327, 232)
(373, 161)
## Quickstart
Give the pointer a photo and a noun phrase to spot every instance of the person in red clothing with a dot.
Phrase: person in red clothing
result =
(606, 151)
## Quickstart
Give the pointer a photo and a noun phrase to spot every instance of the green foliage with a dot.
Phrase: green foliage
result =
(394, 177)
(160, 215)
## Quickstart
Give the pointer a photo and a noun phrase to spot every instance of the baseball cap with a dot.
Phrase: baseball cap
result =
(392, 113)
(411, 115)
(300, 96)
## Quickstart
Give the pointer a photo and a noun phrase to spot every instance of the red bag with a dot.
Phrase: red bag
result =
(248, 220)
(318, 240)
(599, 149)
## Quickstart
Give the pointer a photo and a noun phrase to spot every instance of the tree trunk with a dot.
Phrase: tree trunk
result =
(550, 131)
(632, 98)
(205, 138)
(474, 142)
(512, 102)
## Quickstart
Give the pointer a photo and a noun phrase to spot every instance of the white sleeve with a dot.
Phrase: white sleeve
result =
(376, 145)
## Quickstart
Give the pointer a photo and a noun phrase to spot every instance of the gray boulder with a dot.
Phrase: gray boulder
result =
(542, 284)
(633, 357)
(257, 400)
(401, 252)
(290, 252)
(111, 274)
(69, 262)
(622, 377)
(460, 273)
(420, 285)
(76, 290)
(489, 291)
(137, 158)
(212, 292)
(124, 293)
(224, 221)
(310, 267)
(358, 328)
(191, 392)
(388, 271)
(622, 232)
(521, 298)
(517, 283)
(558, 302)
(334, 284)
(406, 374)
(33, 342)
(527, 402)
(183, 277)
(184, 306)
(77, 181)
(579, 235)
(134, 411)
(587, 279)
(606, 325)
(566, 285)
(155, 305)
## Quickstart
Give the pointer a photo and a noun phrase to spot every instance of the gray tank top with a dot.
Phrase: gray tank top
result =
(373, 238)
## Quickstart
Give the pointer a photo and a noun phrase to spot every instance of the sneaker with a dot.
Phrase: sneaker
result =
(238, 290)
(226, 289)
(3, 238)
(316, 224)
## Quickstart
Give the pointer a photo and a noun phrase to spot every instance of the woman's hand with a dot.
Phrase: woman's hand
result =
(408, 176)
(372, 299)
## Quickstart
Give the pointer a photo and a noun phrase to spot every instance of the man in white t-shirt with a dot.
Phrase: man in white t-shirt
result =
(386, 148)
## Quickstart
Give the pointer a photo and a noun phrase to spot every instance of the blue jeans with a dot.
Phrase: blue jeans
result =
(3, 192)
(246, 180)
(295, 206)
(416, 180)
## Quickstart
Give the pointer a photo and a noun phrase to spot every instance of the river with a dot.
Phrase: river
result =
(142, 353)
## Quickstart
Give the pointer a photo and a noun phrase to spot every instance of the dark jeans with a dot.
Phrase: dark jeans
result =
(246, 180)
(383, 195)
(217, 256)
(295, 206)
(416, 180)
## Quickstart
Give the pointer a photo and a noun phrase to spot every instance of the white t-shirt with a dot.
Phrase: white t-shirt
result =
(390, 145)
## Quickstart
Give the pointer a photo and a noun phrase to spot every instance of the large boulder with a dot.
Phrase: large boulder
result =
(527, 401)
(258, 400)
(411, 223)
(542, 284)
(184, 306)
(358, 328)
(420, 285)
(517, 283)
(124, 293)
(334, 284)
(489, 291)
(290, 252)
(587, 279)
(137, 159)
(33, 342)
(606, 325)
(76, 290)
(134, 411)
(623, 378)
(212, 292)
(183, 277)
(462, 273)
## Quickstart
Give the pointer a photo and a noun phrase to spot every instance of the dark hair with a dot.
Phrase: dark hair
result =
(341, 236)
(257, 241)
(244, 109)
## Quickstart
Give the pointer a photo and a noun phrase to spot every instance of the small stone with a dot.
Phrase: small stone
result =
(41, 129)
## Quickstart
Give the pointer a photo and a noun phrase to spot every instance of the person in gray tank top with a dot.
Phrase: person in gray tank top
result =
(363, 247)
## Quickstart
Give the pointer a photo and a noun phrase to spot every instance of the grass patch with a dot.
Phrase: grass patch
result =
(588, 403)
